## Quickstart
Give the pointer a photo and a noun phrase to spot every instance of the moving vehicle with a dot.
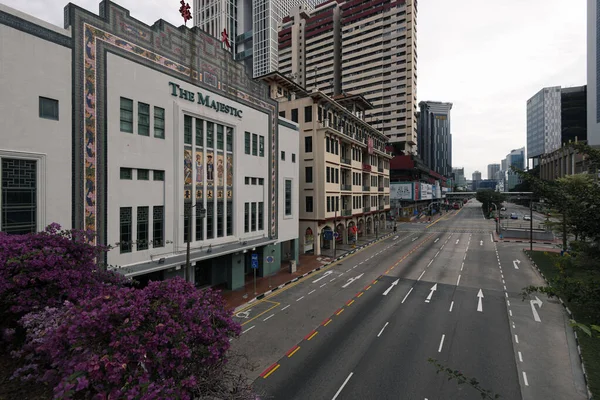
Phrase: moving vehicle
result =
(514, 216)
(526, 218)
(503, 209)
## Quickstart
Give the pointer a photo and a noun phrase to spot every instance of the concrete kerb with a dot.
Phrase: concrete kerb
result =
(571, 316)
(268, 292)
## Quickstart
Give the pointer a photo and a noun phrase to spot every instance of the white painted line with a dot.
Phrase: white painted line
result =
(506, 294)
(513, 324)
(285, 307)
(516, 338)
(508, 302)
(465, 257)
(510, 312)
(442, 247)
(451, 305)
(429, 263)
(381, 331)
(411, 289)
(505, 287)
(462, 266)
(502, 276)
(420, 276)
(491, 238)
(360, 263)
(332, 280)
(272, 315)
(300, 298)
(441, 344)
(252, 327)
(520, 357)
(458, 280)
(312, 291)
(342, 387)
(436, 240)
(436, 254)
(525, 379)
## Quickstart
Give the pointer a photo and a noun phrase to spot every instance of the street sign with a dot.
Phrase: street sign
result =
(270, 259)
(328, 235)
(254, 261)
(336, 235)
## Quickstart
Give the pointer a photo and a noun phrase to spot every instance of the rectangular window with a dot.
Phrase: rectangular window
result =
(19, 196)
(320, 114)
(48, 108)
(126, 115)
(125, 229)
(308, 144)
(229, 139)
(247, 147)
(295, 114)
(159, 122)
(283, 156)
(199, 223)
(328, 204)
(210, 134)
(126, 173)
(142, 227)
(210, 218)
(143, 174)
(261, 222)
(293, 157)
(220, 220)
(328, 177)
(247, 180)
(308, 172)
(143, 119)
(254, 181)
(309, 204)
(158, 175)
(282, 114)
(337, 204)
(246, 217)
(229, 228)
(187, 129)
(308, 114)
(253, 220)
(220, 137)
(254, 144)
(199, 133)
(288, 197)
(261, 146)
(158, 226)
(337, 175)
(327, 149)
(261, 181)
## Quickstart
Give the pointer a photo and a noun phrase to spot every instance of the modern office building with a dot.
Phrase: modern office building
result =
(251, 27)
(434, 136)
(492, 170)
(593, 71)
(476, 178)
(573, 114)
(516, 159)
(544, 122)
(359, 47)
(459, 178)
(192, 157)
(344, 168)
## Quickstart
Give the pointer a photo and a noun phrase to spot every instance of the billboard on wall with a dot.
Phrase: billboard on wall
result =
(417, 186)
(401, 191)
(426, 191)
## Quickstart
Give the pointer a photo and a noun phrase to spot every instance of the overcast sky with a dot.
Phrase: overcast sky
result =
(485, 57)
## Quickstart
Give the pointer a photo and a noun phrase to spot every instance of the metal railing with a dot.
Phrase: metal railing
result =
(345, 187)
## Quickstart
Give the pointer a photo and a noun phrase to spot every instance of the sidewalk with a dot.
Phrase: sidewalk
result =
(265, 285)
(523, 240)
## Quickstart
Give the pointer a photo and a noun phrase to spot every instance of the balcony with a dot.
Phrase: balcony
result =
(380, 188)
(366, 188)
(345, 160)
(345, 187)
(346, 213)
(366, 167)
(381, 207)
(366, 209)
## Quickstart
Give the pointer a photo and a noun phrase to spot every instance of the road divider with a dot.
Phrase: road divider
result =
(265, 374)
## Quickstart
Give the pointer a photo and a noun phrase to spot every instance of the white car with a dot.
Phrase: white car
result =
(526, 218)
(503, 209)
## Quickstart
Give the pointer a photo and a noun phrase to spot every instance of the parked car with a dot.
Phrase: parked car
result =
(514, 216)
(503, 209)
(526, 218)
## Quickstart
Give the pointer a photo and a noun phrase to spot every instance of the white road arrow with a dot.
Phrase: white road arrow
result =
(352, 280)
(391, 287)
(481, 242)
(324, 276)
(515, 262)
(537, 301)
(433, 289)
(479, 303)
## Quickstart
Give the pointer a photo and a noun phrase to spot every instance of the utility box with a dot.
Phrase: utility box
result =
(292, 266)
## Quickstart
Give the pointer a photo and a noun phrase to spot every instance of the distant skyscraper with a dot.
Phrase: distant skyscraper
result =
(434, 136)
(492, 170)
(359, 47)
(573, 114)
(516, 159)
(251, 25)
(476, 179)
(593, 71)
(543, 122)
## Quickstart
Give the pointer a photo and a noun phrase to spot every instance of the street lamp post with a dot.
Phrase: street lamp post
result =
(531, 224)
(497, 218)
(188, 216)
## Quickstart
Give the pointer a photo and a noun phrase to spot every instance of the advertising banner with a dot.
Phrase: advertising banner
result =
(426, 191)
(401, 191)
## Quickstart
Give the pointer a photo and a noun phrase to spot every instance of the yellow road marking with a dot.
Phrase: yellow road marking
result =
(350, 303)
(339, 312)
(264, 312)
(327, 323)
(368, 287)
(271, 371)
(294, 352)
(360, 294)
(313, 335)
(375, 281)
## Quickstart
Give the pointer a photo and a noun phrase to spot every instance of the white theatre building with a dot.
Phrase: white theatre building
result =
(150, 136)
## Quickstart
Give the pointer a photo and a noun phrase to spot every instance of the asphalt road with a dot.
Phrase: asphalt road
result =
(365, 328)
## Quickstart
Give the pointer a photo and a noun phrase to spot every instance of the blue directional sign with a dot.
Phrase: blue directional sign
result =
(328, 235)
(270, 259)
(254, 260)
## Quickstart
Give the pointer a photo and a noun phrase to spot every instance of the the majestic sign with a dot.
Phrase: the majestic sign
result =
(177, 91)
